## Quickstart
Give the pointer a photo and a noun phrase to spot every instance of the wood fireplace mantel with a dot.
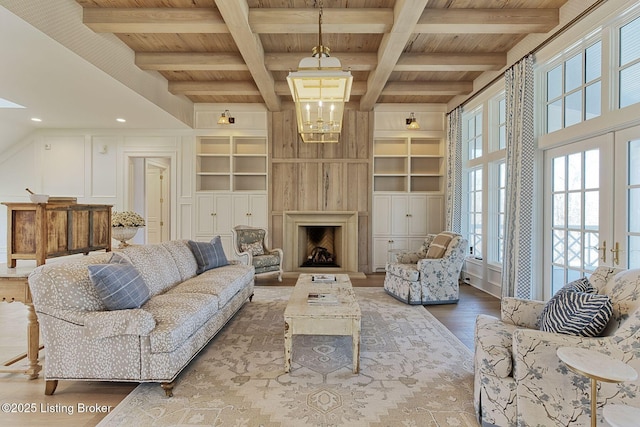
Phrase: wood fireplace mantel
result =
(295, 221)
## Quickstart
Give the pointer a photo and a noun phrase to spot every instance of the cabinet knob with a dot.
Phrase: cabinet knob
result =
(213, 214)
(390, 241)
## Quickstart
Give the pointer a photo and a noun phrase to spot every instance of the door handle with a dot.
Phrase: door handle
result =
(603, 258)
(616, 254)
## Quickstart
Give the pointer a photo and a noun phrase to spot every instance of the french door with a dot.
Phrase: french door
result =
(592, 207)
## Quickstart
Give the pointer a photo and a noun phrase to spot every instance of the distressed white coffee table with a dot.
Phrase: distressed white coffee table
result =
(302, 318)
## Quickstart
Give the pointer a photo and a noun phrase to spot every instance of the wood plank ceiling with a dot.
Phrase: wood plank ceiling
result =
(399, 51)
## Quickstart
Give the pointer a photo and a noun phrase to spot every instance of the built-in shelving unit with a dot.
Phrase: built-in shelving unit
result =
(411, 164)
(231, 163)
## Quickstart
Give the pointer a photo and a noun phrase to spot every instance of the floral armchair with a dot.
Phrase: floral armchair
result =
(250, 248)
(519, 379)
(423, 278)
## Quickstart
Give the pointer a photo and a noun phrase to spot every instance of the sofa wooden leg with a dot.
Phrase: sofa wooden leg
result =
(50, 387)
(250, 297)
(168, 388)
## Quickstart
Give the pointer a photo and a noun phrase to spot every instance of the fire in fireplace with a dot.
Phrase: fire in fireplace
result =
(320, 247)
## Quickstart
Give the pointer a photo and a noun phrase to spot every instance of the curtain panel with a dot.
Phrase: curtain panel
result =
(517, 270)
(454, 171)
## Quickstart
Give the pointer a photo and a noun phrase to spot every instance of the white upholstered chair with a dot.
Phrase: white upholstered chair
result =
(429, 276)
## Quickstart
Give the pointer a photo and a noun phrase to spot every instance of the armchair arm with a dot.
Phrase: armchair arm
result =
(275, 251)
(245, 257)
(521, 312)
(104, 324)
(408, 257)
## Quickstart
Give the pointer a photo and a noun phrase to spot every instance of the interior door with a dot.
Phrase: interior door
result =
(578, 209)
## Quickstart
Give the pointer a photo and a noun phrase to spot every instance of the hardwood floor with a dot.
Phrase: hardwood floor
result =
(56, 410)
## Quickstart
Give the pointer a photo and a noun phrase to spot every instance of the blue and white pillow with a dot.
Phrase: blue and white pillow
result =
(119, 284)
(580, 285)
(208, 255)
(576, 313)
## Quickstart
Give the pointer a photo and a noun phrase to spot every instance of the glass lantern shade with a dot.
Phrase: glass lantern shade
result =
(320, 89)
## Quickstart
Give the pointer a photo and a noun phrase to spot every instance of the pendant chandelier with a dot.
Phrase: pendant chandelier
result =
(320, 88)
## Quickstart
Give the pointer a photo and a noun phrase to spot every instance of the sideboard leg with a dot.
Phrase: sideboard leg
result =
(168, 388)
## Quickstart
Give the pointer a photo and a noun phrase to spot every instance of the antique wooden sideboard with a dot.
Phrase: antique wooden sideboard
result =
(48, 230)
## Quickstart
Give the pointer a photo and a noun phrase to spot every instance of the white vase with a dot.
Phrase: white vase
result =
(122, 234)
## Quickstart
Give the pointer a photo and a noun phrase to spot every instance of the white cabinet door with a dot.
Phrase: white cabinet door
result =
(204, 214)
(381, 215)
(213, 214)
(222, 214)
(240, 209)
(258, 210)
(399, 215)
(417, 219)
(435, 214)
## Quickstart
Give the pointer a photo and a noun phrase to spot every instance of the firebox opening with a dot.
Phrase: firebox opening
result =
(320, 247)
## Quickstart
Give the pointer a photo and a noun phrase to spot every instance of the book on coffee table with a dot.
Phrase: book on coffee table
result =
(323, 278)
(322, 298)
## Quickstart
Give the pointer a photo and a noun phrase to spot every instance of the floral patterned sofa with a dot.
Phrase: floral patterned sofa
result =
(85, 341)
(519, 379)
(417, 278)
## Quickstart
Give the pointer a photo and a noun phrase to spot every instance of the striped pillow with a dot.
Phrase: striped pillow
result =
(577, 313)
(580, 285)
(119, 284)
(439, 246)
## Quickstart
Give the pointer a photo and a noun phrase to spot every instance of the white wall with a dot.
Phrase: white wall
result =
(94, 168)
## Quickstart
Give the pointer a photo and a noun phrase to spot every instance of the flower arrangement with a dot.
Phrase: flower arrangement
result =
(126, 219)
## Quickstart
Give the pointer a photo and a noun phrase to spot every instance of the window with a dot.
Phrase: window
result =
(472, 134)
(574, 88)
(474, 212)
(500, 188)
(629, 64)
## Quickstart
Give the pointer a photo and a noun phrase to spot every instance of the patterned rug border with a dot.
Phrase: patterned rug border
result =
(264, 292)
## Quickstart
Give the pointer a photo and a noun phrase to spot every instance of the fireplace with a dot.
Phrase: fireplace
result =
(335, 232)
(320, 246)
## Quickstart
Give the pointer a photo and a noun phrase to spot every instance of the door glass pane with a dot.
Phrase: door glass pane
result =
(575, 220)
(634, 162)
(634, 209)
(634, 251)
(575, 171)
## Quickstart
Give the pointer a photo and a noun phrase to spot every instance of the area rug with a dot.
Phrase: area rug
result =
(413, 372)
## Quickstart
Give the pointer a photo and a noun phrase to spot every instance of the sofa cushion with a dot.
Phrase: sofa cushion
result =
(120, 285)
(208, 255)
(577, 313)
(439, 245)
(183, 257)
(178, 317)
(156, 265)
(223, 282)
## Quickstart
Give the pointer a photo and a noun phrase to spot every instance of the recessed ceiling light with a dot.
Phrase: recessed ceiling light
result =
(5, 103)
(35, 119)
(120, 119)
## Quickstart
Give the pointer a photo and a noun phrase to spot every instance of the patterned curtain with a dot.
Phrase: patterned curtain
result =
(454, 171)
(517, 269)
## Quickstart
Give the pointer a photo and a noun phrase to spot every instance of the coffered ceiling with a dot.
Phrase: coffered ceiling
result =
(399, 51)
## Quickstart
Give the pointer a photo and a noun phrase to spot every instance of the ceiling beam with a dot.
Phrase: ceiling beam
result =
(406, 15)
(236, 14)
(342, 20)
(154, 20)
(451, 62)
(487, 21)
(187, 61)
(427, 88)
(217, 87)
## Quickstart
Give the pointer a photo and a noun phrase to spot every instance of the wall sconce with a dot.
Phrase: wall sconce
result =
(226, 119)
(411, 122)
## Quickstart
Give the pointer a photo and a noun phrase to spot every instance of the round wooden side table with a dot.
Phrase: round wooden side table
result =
(597, 367)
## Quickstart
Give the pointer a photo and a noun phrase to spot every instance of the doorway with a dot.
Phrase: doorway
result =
(150, 196)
